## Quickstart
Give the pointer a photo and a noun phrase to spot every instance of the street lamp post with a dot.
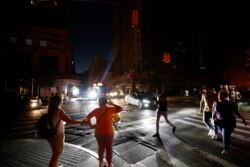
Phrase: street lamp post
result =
(32, 86)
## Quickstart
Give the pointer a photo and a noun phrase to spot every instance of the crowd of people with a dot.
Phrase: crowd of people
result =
(219, 110)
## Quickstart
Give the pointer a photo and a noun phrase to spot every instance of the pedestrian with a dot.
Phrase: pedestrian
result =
(216, 119)
(104, 129)
(227, 110)
(58, 117)
(237, 96)
(162, 108)
(207, 99)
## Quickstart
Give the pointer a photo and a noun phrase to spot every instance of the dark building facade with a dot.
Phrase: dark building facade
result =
(140, 44)
(35, 45)
(180, 29)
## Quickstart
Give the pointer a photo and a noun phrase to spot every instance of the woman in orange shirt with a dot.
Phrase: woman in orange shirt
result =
(104, 129)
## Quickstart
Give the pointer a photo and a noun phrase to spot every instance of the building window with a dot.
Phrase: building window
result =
(56, 43)
(43, 43)
(28, 41)
(49, 64)
(13, 39)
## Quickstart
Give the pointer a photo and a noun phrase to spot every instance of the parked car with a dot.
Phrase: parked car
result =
(11, 101)
(30, 103)
(140, 99)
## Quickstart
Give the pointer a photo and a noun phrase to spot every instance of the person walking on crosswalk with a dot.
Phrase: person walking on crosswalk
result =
(226, 111)
(161, 110)
(207, 99)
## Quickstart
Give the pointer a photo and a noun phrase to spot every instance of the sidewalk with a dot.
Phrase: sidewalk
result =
(36, 153)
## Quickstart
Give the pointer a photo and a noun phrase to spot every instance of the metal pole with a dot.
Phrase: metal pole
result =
(32, 86)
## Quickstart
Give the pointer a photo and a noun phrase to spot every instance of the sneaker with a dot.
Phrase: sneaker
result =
(224, 152)
(155, 135)
(173, 129)
(104, 163)
(111, 165)
(211, 132)
(215, 136)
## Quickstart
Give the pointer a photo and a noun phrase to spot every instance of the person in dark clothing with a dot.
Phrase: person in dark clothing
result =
(226, 111)
(162, 108)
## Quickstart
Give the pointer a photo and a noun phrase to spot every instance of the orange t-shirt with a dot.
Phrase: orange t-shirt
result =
(104, 119)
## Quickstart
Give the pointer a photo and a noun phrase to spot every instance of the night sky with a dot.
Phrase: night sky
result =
(91, 32)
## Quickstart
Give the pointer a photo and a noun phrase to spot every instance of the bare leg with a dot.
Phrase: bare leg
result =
(57, 146)
(158, 115)
(165, 115)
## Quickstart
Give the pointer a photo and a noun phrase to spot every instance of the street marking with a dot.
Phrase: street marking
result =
(203, 127)
(94, 154)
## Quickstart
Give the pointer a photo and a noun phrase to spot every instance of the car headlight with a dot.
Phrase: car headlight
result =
(92, 95)
(112, 94)
(33, 101)
(33, 105)
(146, 101)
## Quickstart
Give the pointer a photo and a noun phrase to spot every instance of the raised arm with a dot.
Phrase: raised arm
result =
(118, 108)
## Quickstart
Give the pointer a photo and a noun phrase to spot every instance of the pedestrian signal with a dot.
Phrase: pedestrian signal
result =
(166, 57)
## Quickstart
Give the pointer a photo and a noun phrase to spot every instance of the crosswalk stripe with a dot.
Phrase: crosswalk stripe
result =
(203, 127)
(238, 128)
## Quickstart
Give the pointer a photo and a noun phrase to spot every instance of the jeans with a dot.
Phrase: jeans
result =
(227, 127)
(207, 115)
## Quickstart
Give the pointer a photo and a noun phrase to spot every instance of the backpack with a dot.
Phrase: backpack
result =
(45, 128)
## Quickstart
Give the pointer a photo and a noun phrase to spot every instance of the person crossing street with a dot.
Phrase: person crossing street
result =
(162, 108)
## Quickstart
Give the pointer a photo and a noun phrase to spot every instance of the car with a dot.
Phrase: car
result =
(29, 103)
(15, 102)
(115, 94)
(35, 103)
(140, 99)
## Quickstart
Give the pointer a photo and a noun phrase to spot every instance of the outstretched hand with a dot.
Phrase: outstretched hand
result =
(85, 122)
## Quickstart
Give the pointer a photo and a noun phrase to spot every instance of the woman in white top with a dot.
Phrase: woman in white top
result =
(58, 117)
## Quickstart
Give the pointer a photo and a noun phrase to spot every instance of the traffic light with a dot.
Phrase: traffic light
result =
(135, 17)
(166, 57)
